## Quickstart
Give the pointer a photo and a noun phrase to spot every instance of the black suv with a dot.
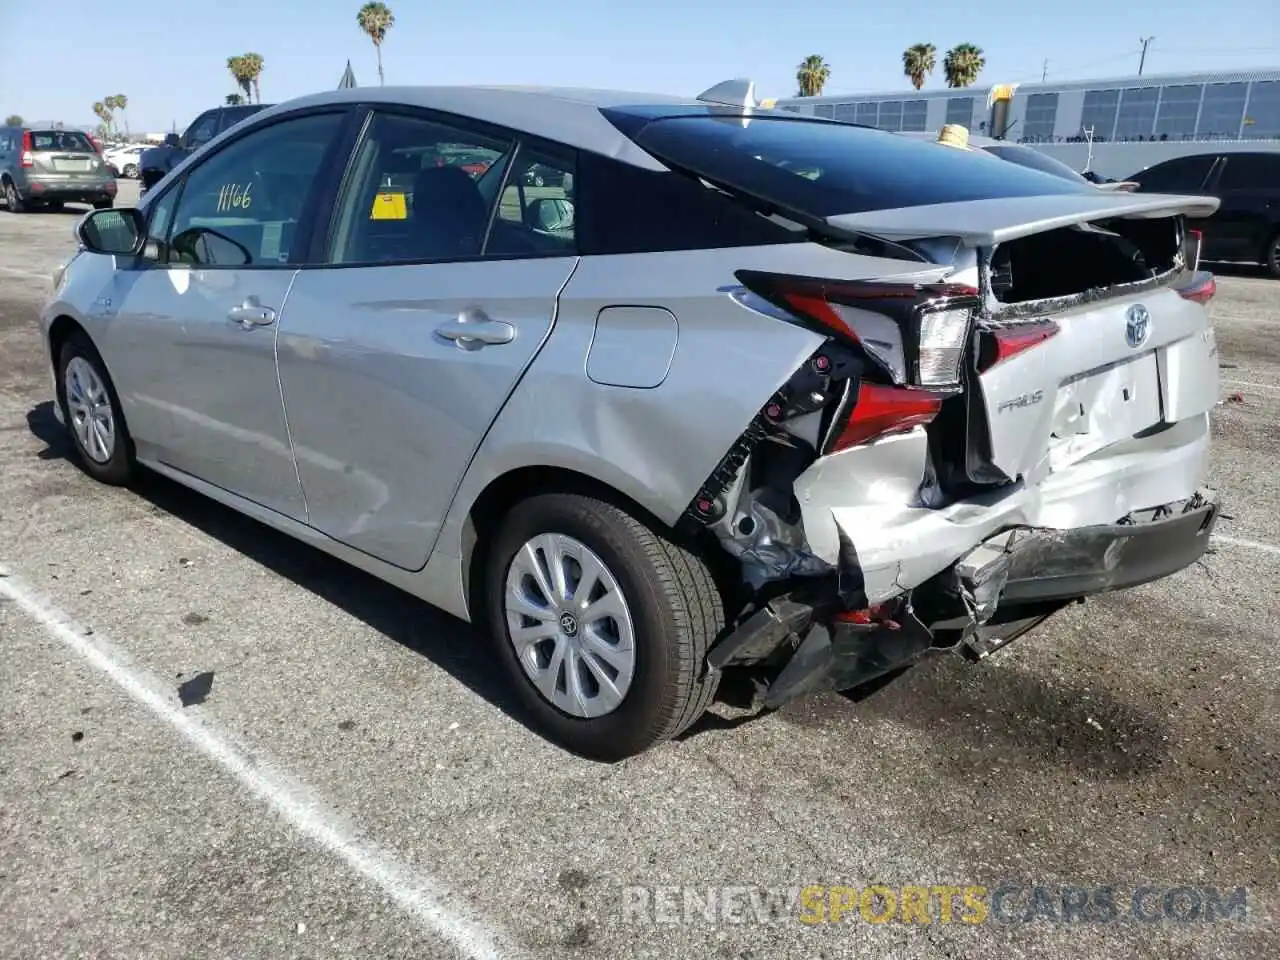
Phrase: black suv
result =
(156, 162)
(1247, 224)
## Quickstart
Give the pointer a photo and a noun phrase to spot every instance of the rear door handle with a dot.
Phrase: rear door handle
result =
(251, 314)
(471, 331)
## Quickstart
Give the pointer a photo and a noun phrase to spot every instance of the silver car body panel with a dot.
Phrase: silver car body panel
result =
(351, 425)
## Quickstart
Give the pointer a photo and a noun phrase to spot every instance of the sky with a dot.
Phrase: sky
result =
(170, 60)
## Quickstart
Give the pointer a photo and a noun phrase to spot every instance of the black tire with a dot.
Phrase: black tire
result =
(104, 204)
(130, 171)
(119, 470)
(676, 608)
(53, 206)
(1271, 256)
(11, 198)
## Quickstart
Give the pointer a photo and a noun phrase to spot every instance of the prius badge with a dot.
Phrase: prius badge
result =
(1137, 325)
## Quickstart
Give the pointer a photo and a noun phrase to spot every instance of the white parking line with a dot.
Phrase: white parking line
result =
(419, 895)
(1247, 544)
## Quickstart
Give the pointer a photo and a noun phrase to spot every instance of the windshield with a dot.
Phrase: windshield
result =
(1027, 157)
(70, 140)
(824, 169)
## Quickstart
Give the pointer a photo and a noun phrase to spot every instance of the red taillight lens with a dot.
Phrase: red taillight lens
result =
(27, 159)
(916, 333)
(880, 411)
(1201, 289)
(997, 346)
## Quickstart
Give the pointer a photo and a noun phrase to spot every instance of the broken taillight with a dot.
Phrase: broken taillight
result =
(915, 333)
(1201, 289)
(880, 411)
(997, 346)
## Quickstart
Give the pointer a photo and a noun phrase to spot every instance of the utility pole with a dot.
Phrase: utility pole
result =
(1044, 74)
(1145, 41)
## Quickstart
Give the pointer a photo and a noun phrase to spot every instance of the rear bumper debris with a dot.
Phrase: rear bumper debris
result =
(806, 642)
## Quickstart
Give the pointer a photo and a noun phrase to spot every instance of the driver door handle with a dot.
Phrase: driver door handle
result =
(251, 314)
(472, 333)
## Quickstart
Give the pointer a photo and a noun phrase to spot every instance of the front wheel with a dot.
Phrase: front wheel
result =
(91, 410)
(130, 171)
(602, 624)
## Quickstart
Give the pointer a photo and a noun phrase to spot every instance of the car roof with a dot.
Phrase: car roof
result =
(569, 115)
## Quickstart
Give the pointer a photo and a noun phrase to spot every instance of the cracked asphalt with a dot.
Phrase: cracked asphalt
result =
(217, 742)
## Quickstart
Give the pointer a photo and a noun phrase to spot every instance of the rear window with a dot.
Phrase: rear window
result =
(69, 140)
(824, 169)
(1028, 157)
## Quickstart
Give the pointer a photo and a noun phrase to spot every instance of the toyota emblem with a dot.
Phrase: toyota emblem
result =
(1137, 325)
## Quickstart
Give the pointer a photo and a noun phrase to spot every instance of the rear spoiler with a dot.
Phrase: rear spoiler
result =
(985, 223)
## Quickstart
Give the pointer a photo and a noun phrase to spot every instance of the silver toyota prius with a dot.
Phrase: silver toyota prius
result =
(654, 389)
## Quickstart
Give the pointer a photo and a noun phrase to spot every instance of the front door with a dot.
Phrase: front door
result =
(208, 304)
(395, 360)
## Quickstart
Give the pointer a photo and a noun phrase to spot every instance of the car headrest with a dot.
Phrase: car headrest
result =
(450, 210)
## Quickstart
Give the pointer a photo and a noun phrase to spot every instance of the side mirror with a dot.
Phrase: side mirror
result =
(172, 140)
(551, 214)
(120, 232)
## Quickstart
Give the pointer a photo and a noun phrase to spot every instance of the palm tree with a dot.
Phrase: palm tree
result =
(375, 19)
(812, 75)
(254, 64)
(243, 77)
(117, 101)
(918, 61)
(234, 99)
(962, 65)
(103, 113)
(13, 120)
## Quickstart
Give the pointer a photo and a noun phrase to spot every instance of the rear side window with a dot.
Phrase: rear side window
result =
(624, 209)
(1250, 171)
(1182, 175)
(69, 140)
(823, 169)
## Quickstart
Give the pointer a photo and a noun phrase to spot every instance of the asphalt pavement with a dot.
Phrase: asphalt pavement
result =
(216, 742)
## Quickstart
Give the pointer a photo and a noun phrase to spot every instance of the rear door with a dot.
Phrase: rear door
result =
(1249, 186)
(397, 351)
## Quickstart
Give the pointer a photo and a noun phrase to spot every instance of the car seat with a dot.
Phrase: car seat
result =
(449, 214)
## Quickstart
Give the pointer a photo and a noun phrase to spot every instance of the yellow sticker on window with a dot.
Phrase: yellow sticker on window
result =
(389, 206)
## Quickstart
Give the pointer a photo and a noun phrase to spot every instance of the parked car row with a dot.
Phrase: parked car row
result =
(768, 394)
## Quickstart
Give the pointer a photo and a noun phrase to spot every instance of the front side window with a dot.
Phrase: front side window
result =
(202, 130)
(419, 190)
(1181, 175)
(241, 206)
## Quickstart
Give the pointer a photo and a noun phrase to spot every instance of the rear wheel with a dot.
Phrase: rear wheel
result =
(131, 171)
(1271, 257)
(11, 198)
(92, 413)
(601, 623)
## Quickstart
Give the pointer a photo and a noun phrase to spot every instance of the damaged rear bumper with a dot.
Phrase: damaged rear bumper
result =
(808, 645)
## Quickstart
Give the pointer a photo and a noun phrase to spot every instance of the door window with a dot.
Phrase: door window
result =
(420, 190)
(1251, 171)
(1183, 175)
(241, 206)
(536, 215)
(202, 130)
